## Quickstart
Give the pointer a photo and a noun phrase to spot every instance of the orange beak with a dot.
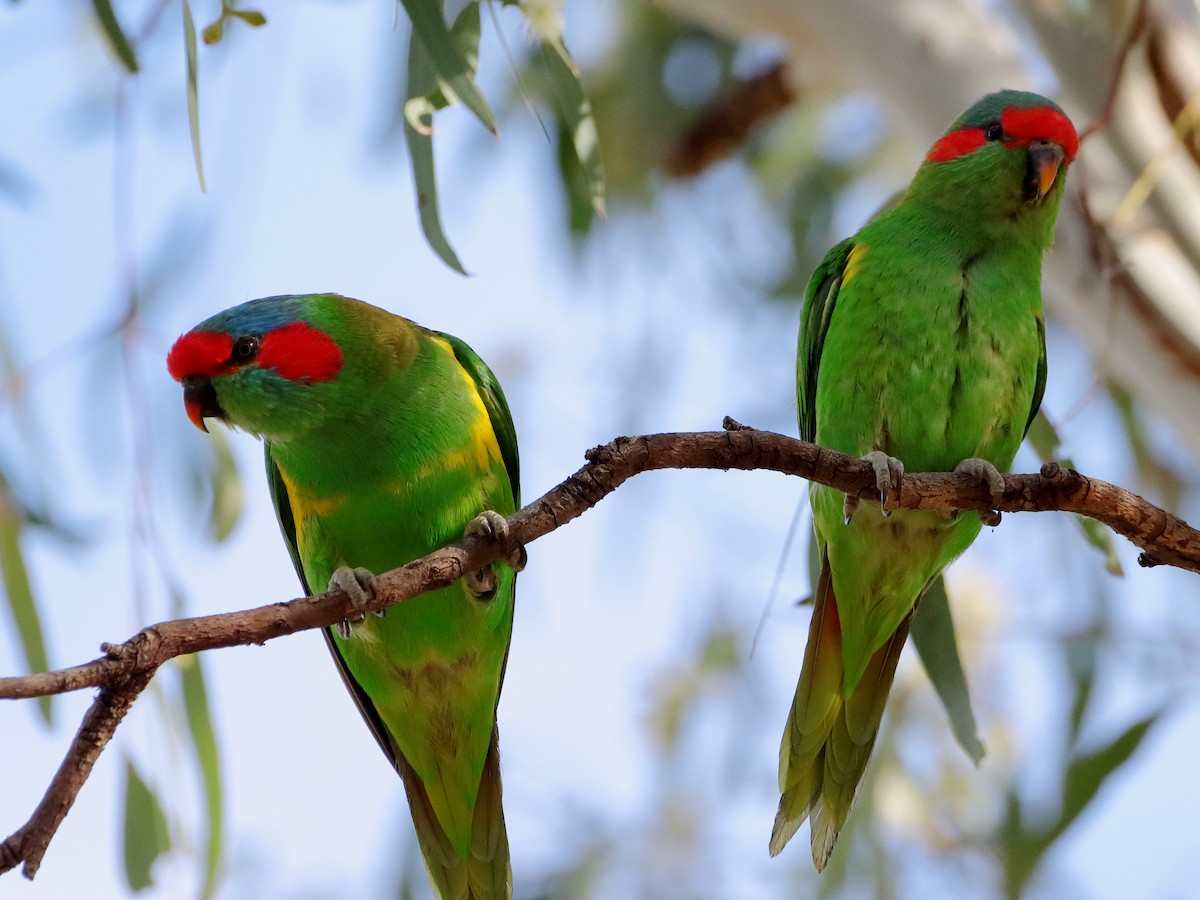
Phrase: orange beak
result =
(1045, 159)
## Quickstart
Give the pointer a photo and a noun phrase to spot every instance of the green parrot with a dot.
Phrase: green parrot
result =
(385, 441)
(922, 345)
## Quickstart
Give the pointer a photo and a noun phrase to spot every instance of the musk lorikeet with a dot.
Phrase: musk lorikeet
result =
(384, 441)
(921, 345)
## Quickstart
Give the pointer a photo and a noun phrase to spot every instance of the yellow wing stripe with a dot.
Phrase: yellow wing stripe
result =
(482, 447)
(854, 262)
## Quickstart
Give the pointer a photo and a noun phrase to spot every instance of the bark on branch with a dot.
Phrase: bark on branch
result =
(125, 669)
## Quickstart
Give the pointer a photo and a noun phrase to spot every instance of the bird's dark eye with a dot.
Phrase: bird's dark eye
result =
(244, 350)
(993, 131)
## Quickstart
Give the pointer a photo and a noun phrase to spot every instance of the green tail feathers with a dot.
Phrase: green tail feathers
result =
(829, 737)
(485, 873)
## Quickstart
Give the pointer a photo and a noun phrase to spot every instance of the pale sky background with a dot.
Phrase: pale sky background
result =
(637, 335)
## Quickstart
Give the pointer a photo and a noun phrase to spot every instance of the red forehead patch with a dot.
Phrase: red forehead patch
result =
(1022, 125)
(199, 353)
(300, 352)
(1025, 125)
(956, 144)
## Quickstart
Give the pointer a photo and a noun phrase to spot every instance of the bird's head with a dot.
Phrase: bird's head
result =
(1005, 158)
(269, 366)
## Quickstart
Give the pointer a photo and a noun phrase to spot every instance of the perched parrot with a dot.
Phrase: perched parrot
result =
(922, 346)
(385, 441)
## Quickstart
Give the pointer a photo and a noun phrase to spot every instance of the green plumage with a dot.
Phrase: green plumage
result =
(921, 337)
(378, 465)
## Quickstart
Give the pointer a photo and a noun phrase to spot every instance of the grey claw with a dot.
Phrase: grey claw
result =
(849, 508)
(889, 476)
(492, 525)
(989, 476)
(359, 585)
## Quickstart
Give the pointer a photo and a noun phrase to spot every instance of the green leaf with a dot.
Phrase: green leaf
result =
(933, 635)
(575, 113)
(580, 214)
(1100, 537)
(1043, 437)
(251, 17)
(453, 68)
(193, 102)
(425, 97)
(226, 507)
(146, 834)
(18, 591)
(1086, 774)
(1021, 846)
(204, 740)
(214, 32)
(116, 37)
(1080, 653)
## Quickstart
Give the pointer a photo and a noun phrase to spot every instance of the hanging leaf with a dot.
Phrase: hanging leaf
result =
(1087, 774)
(115, 36)
(193, 102)
(933, 635)
(584, 173)
(1043, 438)
(1022, 846)
(425, 96)
(146, 834)
(226, 507)
(452, 62)
(19, 593)
(204, 740)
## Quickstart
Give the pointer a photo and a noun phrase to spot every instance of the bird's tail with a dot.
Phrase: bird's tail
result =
(486, 873)
(829, 736)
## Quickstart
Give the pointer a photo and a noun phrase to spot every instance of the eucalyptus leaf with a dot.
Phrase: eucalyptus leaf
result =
(1088, 773)
(146, 834)
(1043, 438)
(575, 113)
(453, 68)
(227, 495)
(19, 593)
(115, 36)
(193, 99)
(426, 95)
(204, 741)
(933, 635)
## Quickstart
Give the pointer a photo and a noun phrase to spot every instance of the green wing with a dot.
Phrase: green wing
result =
(1039, 384)
(819, 300)
(283, 512)
(287, 524)
(496, 406)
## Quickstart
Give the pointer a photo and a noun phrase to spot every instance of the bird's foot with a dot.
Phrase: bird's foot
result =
(490, 524)
(989, 476)
(889, 473)
(359, 585)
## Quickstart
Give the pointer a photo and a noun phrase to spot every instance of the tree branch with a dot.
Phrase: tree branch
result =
(125, 669)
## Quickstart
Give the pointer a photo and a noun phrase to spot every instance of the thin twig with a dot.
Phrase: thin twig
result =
(127, 668)
(1137, 24)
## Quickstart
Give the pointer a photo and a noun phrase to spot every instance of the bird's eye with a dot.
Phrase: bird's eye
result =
(993, 131)
(244, 350)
